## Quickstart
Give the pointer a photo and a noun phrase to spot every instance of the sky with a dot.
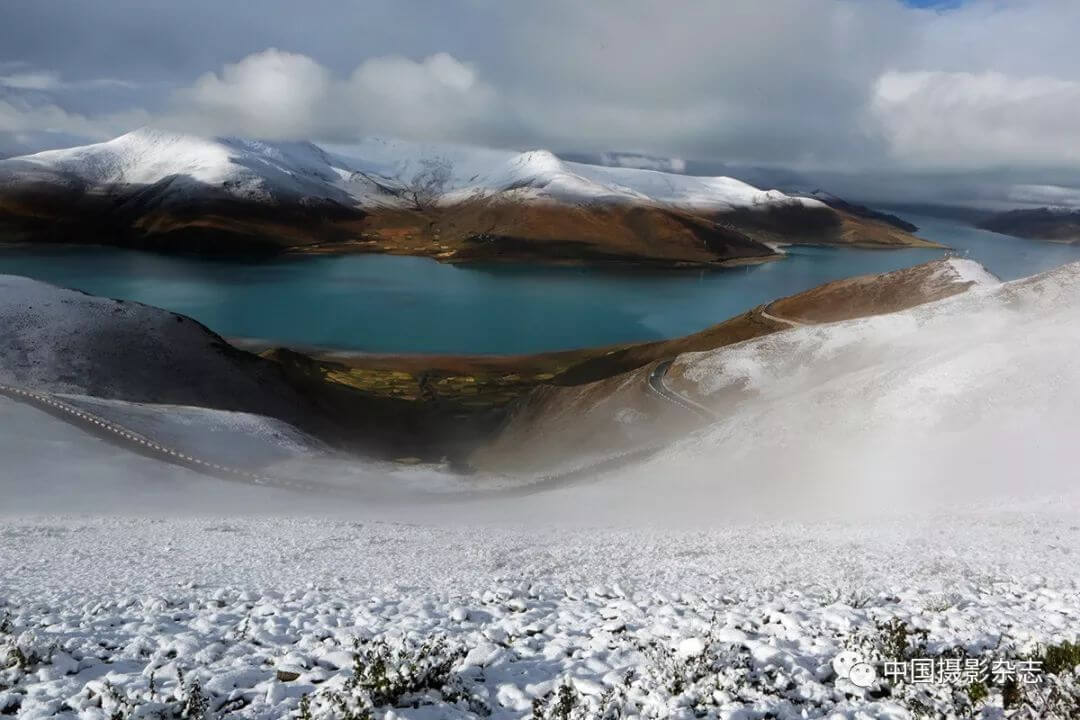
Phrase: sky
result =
(987, 90)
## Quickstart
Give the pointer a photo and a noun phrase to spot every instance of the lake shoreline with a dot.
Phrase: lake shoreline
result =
(380, 304)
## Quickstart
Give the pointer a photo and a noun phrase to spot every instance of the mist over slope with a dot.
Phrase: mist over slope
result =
(943, 407)
(610, 404)
(964, 401)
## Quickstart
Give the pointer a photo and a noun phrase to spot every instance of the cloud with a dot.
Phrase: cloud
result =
(816, 85)
(276, 94)
(437, 98)
(29, 125)
(19, 116)
(34, 80)
(51, 80)
(966, 120)
(270, 94)
(642, 162)
(715, 81)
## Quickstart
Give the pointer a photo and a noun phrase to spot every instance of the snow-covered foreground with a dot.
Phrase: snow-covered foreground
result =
(261, 612)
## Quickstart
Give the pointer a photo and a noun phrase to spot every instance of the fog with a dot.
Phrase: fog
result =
(958, 406)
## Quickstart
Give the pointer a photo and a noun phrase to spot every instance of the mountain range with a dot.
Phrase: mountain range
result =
(162, 190)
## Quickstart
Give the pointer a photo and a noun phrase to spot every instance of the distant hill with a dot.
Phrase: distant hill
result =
(1054, 224)
(959, 213)
(863, 211)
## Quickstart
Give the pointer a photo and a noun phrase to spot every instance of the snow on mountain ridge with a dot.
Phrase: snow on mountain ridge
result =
(484, 170)
(375, 171)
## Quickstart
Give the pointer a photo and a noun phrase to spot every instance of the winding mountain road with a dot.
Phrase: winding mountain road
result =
(124, 437)
(659, 387)
(132, 440)
(782, 321)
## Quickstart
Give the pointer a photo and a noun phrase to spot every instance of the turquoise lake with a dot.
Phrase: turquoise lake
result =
(382, 303)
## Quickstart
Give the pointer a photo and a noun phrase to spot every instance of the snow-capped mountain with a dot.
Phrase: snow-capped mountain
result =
(245, 169)
(173, 191)
(471, 170)
(370, 172)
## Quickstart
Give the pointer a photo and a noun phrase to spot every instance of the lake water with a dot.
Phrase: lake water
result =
(382, 303)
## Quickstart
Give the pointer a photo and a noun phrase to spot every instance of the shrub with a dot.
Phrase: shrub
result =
(1061, 659)
(396, 675)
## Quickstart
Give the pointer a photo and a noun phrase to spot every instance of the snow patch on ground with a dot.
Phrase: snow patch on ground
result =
(971, 271)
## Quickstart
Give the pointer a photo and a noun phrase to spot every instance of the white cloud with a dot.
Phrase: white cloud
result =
(643, 162)
(20, 116)
(49, 80)
(33, 80)
(438, 98)
(962, 120)
(268, 94)
(843, 85)
(275, 94)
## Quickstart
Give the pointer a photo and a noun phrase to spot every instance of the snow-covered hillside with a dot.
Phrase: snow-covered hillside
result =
(375, 172)
(477, 170)
(63, 341)
(248, 169)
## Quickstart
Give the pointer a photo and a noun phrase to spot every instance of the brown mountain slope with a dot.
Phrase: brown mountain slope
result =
(506, 227)
(501, 227)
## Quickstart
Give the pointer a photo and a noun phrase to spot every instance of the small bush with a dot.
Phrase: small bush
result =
(1061, 659)
(193, 703)
(566, 703)
(389, 674)
(898, 642)
(396, 676)
(558, 705)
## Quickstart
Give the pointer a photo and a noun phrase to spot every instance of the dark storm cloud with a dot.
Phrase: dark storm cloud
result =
(837, 85)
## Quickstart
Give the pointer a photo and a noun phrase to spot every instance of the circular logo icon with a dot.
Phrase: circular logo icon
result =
(862, 675)
(843, 663)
